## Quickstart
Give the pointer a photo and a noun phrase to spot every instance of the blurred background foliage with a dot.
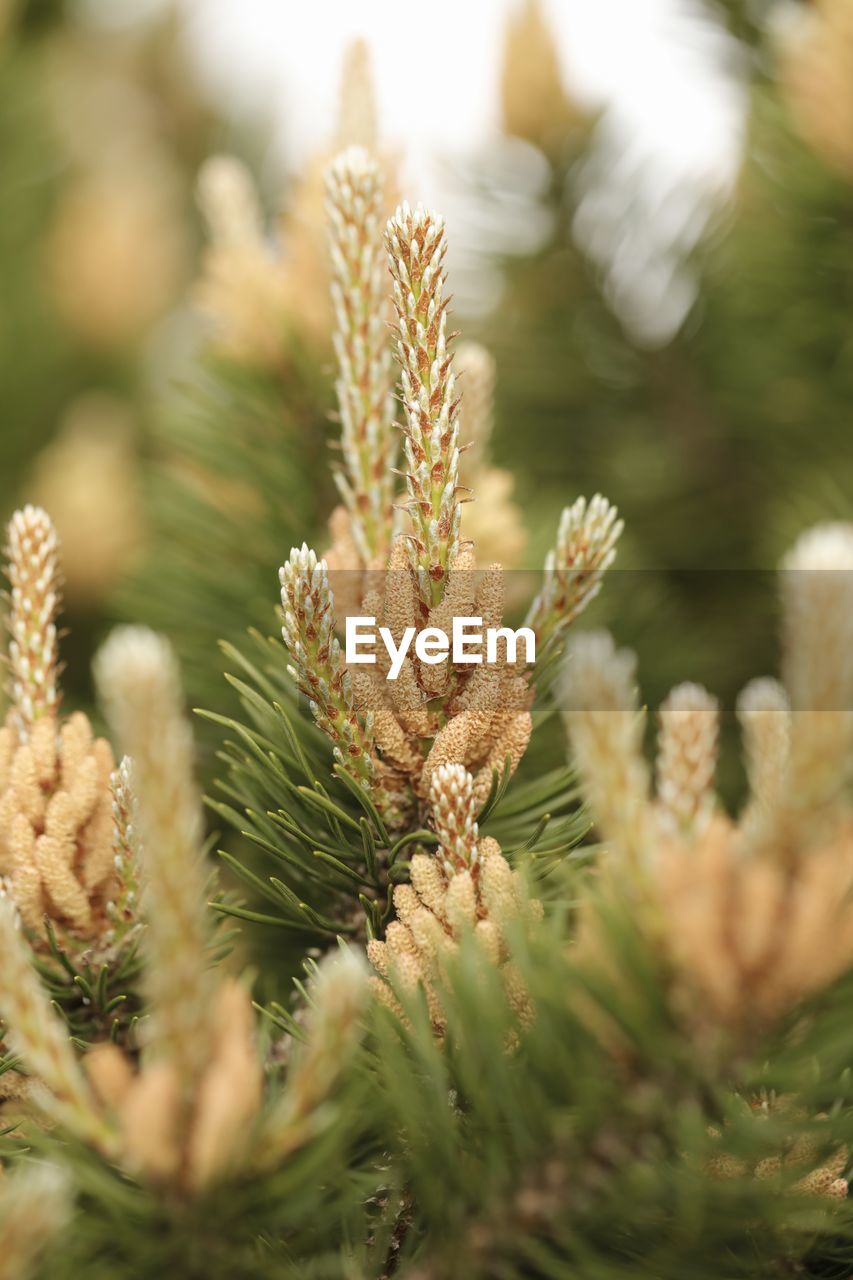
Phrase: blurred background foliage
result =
(165, 361)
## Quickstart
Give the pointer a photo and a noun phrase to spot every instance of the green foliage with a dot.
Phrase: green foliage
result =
(97, 996)
(236, 481)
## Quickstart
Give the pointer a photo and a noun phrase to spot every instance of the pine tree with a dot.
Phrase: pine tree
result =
(543, 1009)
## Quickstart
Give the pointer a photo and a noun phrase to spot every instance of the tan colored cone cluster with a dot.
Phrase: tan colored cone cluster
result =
(757, 914)
(817, 76)
(474, 715)
(754, 936)
(144, 1118)
(471, 715)
(465, 886)
(160, 1142)
(821, 1179)
(190, 1113)
(56, 803)
(56, 830)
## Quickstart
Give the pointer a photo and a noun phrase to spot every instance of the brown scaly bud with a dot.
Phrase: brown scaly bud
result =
(32, 548)
(308, 628)
(416, 249)
(585, 549)
(354, 202)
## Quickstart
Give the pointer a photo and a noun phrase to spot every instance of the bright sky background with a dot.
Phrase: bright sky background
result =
(645, 56)
(673, 108)
(670, 133)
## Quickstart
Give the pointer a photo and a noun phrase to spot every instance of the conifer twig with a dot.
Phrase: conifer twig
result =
(585, 549)
(308, 628)
(416, 249)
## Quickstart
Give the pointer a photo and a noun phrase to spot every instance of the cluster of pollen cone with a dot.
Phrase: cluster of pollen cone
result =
(754, 911)
(63, 809)
(428, 744)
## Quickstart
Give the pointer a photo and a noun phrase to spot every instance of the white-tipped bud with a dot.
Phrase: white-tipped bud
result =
(308, 630)
(354, 207)
(765, 717)
(32, 547)
(584, 551)
(598, 697)
(138, 680)
(454, 810)
(228, 200)
(417, 245)
(817, 601)
(338, 996)
(687, 759)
